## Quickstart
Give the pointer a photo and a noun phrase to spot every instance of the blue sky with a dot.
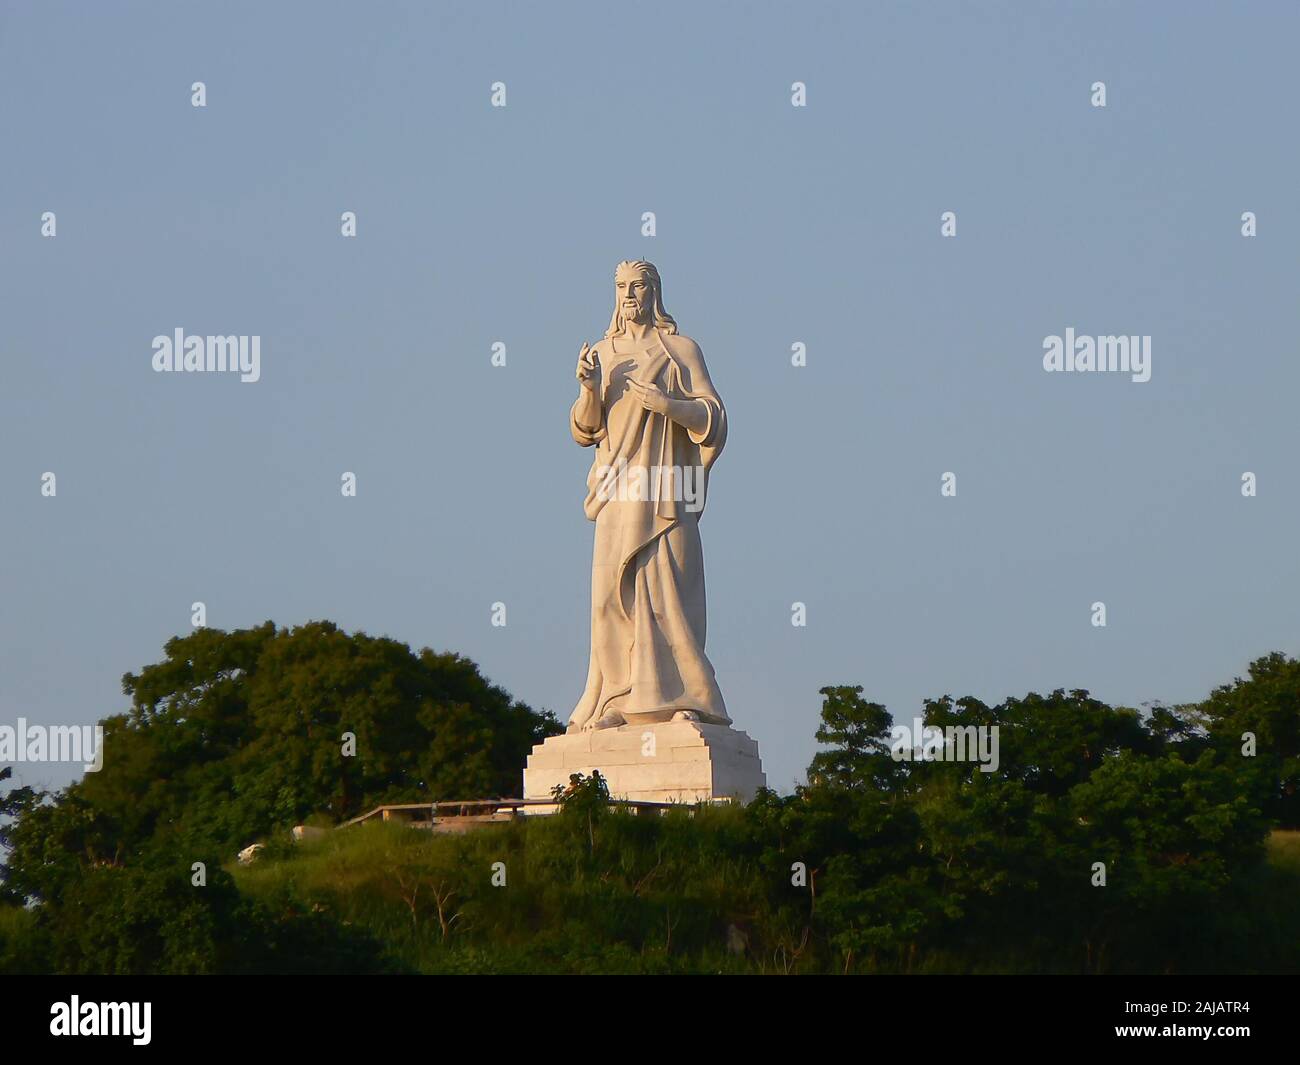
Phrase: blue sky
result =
(775, 224)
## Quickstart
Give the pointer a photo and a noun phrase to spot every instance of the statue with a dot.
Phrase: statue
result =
(647, 406)
(651, 720)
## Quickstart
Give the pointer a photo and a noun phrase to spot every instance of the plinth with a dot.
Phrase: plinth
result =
(675, 761)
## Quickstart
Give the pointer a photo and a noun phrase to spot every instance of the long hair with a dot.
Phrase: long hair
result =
(662, 319)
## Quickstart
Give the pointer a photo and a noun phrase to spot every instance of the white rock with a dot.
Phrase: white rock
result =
(249, 854)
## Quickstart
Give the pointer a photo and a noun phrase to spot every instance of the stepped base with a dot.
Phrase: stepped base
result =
(674, 761)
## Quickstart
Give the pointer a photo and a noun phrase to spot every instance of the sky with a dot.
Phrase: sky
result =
(775, 225)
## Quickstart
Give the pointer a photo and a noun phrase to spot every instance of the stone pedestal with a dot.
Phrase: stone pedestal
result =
(676, 761)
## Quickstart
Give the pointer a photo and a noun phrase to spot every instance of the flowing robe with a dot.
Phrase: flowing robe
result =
(647, 574)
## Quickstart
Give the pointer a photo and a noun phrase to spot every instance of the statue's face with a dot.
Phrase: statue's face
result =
(634, 295)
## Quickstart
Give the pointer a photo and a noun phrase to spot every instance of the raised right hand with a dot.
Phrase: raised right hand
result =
(588, 368)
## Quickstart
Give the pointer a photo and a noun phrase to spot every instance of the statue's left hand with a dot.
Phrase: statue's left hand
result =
(652, 397)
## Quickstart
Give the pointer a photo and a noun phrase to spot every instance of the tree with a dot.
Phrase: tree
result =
(857, 733)
(234, 734)
(1265, 706)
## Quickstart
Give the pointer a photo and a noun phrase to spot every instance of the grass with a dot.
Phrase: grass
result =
(1284, 851)
(527, 896)
(658, 895)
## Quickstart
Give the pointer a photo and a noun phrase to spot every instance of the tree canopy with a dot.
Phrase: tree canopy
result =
(236, 733)
(1104, 839)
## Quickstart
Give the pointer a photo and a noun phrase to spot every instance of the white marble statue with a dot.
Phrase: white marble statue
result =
(647, 406)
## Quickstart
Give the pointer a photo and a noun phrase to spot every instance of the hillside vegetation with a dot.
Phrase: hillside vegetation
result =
(1107, 840)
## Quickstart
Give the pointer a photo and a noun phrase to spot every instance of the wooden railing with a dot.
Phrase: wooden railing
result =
(430, 813)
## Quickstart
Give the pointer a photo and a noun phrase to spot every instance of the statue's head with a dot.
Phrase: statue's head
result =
(638, 297)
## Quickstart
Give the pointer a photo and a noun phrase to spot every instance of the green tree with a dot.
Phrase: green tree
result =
(234, 734)
(857, 733)
(1265, 705)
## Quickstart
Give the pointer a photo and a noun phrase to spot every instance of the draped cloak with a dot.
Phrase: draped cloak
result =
(647, 574)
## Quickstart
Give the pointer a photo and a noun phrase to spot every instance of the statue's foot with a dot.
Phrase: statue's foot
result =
(611, 719)
(686, 715)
